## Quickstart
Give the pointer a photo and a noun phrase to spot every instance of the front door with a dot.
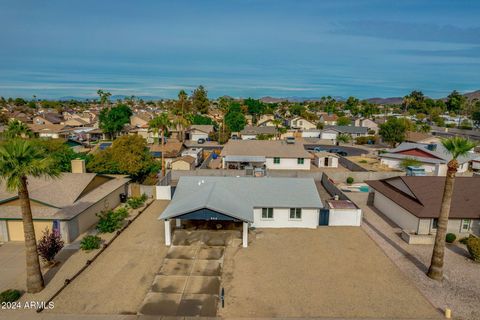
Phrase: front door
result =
(324, 215)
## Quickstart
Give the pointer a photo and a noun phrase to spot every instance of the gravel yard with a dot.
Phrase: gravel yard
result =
(459, 291)
(326, 272)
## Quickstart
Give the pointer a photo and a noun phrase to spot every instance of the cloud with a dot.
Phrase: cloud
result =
(408, 31)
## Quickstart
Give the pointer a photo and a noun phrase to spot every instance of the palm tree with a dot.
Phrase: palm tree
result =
(160, 123)
(277, 123)
(17, 129)
(181, 122)
(457, 147)
(20, 160)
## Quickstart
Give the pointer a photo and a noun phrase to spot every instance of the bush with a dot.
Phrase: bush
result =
(137, 202)
(10, 295)
(450, 238)
(350, 180)
(363, 161)
(90, 242)
(463, 240)
(121, 213)
(473, 246)
(365, 139)
(110, 220)
(49, 245)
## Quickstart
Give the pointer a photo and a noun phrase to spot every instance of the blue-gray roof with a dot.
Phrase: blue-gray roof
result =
(238, 196)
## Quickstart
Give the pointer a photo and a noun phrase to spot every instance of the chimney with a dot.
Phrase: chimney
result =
(78, 166)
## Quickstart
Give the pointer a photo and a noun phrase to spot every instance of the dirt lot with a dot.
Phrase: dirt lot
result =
(120, 278)
(327, 272)
(369, 163)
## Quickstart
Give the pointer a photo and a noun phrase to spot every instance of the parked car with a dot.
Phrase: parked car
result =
(201, 141)
(318, 149)
(338, 151)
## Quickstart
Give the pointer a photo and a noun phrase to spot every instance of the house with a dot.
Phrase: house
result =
(269, 154)
(183, 163)
(432, 157)
(420, 137)
(325, 159)
(196, 153)
(141, 119)
(48, 119)
(53, 131)
(328, 119)
(172, 149)
(68, 204)
(251, 202)
(252, 133)
(301, 123)
(266, 120)
(414, 203)
(331, 132)
(198, 131)
(368, 123)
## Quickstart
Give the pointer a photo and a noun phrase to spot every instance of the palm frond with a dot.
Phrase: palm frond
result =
(458, 146)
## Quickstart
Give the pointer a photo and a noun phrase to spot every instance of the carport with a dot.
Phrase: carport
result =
(203, 201)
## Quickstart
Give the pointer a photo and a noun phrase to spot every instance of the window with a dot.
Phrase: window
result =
(296, 213)
(465, 225)
(300, 161)
(267, 213)
(276, 160)
(435, 224)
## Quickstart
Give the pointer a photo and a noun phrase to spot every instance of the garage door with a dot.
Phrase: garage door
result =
(15, 229)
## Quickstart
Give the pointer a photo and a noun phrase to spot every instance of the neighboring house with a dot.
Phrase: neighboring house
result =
(196, 153)
(332, 132)
(328, 119)
(198, 131)
(414, 203)
(183, 163)
(172, 149)
(266, 120)
(141, 119)
(54, 131)
(48, 119)
(67, 204)
(253, 202)
(433, 157)
(325, 160)
(251, 133)
(311, 133)
(76, 122)
(301, 123)
(368, 123)
(269, 154)
(420, 137)
(20, 116)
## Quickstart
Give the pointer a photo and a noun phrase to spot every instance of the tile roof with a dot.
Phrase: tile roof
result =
(348, 129)
(422, 196)
(258, 130)
(266, 148)
(207, 128)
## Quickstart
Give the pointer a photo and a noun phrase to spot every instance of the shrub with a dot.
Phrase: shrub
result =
(365, 139)
(121, 213)
(90, 242)
(350, 180)
(473, 246)
(10, 295)
(363, 161)
(137, 202)
(108, 221)
(450, 238)
(463, 240)
(49, 245)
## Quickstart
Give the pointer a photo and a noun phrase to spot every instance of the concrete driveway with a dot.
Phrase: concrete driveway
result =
(12, 264)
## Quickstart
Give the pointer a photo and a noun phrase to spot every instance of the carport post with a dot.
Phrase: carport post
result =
(168, 233)
(245, 235)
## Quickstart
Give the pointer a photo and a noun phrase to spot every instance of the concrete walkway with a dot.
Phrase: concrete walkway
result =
(12, 266)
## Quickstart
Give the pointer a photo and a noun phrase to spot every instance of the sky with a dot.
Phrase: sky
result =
(241, 48)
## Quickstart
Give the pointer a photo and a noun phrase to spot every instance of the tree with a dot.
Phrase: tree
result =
(277, 123)
(409, 162)
(4, 119)
(344, 138)
(17, 129)
(344, 121)
(255, 107)
(414, 101)
(181, 122)
(183, 104)
(393, 131)
(60, 152)
(161, 123)
(104, 97)
(425, 128)
(20, 160)
(235, 121)
(200, 100)
(127, 155)
(199, 119)
(114, 119)
(456, 102)
(456, 147)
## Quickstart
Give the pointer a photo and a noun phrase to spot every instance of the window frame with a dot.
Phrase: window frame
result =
(434, 223)
(276, 160)
(297, 214)
(268, 212)
(462, 229)
(300, 160)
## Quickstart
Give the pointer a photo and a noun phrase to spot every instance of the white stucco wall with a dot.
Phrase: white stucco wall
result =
(310, 134)
(395, 164)
(397, 214)
(326, 135)
(281, 219)
(194, 136)
(288, 164)
(163, 192)
(249, 136)
(345, 217)
(332, 162)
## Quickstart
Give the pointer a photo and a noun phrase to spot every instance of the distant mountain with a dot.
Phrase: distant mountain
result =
(393, 100)
(269, 99)
(112, 98)
(473, 95)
